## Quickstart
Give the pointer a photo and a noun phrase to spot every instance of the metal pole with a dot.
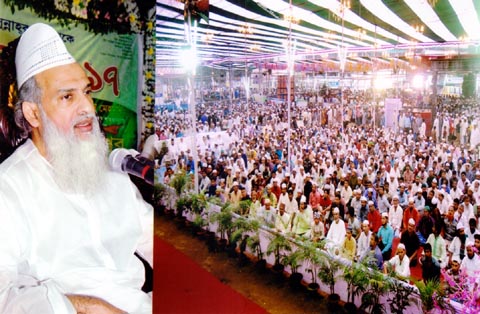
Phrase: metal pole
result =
(191, 99)
(290, 70)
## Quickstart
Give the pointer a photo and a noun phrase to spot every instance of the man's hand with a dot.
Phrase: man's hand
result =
(85, 304)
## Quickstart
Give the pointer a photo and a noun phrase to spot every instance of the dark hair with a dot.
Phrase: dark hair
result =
(427, 247)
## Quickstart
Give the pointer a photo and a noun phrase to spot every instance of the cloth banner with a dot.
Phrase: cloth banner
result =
(110, 61)
(392, 108)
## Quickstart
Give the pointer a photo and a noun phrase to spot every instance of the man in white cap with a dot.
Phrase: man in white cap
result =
(267, 213)
(411, 241)
(400, 263)
(396, 216)
(302, 220)
(336, 232)
(363, 241)
(318, 228)
(283, 220)
(457, 246)
(71, 226)
(471, 262)
(385, 235)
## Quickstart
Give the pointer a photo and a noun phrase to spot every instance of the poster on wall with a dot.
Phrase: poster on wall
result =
(111, 64)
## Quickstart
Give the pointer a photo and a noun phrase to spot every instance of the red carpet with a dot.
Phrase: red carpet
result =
(182, 287)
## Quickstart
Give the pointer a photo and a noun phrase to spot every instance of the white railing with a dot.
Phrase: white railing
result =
(265, 234)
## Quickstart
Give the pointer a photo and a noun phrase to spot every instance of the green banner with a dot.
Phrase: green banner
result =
(110, 61)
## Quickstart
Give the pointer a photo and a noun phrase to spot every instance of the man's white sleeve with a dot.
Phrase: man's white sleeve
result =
(20, 292)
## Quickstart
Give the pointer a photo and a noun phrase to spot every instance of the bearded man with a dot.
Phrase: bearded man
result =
(70, 225)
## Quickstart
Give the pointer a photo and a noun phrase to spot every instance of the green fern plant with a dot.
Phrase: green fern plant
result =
(278, 246)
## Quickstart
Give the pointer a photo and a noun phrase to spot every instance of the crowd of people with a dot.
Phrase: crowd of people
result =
(361, 187)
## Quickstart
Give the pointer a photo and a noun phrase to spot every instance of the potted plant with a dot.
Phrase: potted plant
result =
(434, 297)
(179, 182)
(159, 194)
(426, 291)
(401, 295)
(378, 285)
(224, 219)
(242, 227)
(253, 242)
(198, 202)
(198, 225)
(327, 274)
(243, 207)
(182, 204)
(293, 260)
(354, 276)
(309, 252)
(279, 246)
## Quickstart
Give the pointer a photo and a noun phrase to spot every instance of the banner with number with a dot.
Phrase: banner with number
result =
(110, 61)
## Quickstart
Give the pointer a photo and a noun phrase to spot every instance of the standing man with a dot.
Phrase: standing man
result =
(396, 216)
(70, 225)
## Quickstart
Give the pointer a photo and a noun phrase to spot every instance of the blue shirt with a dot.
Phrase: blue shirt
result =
(386, 233)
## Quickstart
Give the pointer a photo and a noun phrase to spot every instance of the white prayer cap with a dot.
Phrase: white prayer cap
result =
(336, 210)
(366, 222)
(411, 221)
(40, 48)
(401, 246)
(385, 214)
(303, 199)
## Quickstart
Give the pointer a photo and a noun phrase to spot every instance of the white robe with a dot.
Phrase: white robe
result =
(53, 243)
(336, 233)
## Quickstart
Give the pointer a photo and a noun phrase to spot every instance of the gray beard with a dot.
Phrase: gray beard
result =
(79, 165)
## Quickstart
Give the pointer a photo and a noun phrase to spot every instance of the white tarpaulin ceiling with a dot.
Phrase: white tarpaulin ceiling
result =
(257, 31)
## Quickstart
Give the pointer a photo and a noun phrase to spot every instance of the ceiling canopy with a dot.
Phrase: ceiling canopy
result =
(257, 32)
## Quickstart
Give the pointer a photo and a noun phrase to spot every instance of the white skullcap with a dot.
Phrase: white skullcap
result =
(371, 203)
(401, 246)
(40, 48)
(411, 221)
(303, 199)
(385, 214)
(336, 210)
(366, 222)
(456, 258)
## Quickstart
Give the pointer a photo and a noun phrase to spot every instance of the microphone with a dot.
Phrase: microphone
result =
(130, 161)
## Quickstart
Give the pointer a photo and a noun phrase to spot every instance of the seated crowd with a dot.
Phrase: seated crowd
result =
(363, 189)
